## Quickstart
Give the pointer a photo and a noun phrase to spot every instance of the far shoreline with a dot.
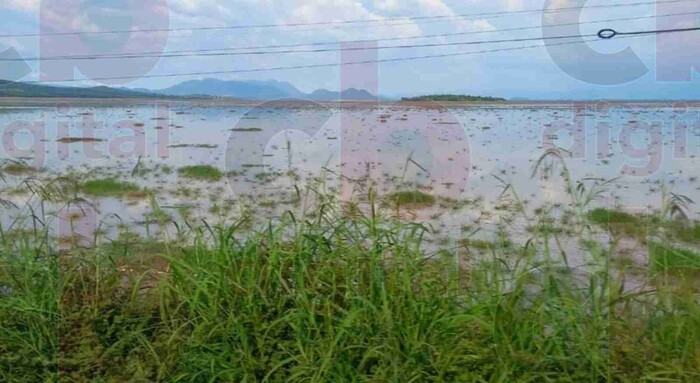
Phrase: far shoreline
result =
(202, 102)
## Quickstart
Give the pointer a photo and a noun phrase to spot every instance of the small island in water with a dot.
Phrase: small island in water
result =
(454, 97)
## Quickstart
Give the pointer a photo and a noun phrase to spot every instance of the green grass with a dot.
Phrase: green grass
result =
(339, 295)
(664, 257)
(410, 197)
(639, 227)
(201, 172)
(482, 245)
(622, 223)
(109, 187)
(326, 298)
(606, 216)
(688, 233)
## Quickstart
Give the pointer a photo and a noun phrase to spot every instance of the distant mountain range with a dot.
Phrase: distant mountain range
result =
(272, 90)
(252, 90)
(20, 89)
(260, 90)
(207, 88)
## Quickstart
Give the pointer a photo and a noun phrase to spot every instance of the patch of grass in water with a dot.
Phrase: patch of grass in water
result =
(73, 140)
(137, 195)
(109, 187)
(17, 169)
(266, 177)
(201, 172)
(196, 146)
(605, 216)
(622, 223)
(547, 228)
(639, 226)
(414, 197)
(246, 130)
(688, 233)
(486, 245)
(664, 257)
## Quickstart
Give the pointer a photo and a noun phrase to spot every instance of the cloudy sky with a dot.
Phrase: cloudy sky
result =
(644, 67)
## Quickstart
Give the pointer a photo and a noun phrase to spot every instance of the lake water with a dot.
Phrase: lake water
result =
(460, 152)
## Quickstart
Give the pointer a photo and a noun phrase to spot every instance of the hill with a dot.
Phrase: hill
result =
(261, 90)
(206, 88)
(20, 89)
(249, 90)
(348, 94)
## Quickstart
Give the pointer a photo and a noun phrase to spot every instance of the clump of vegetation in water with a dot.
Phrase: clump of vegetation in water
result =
(687, 232)
(622, 224)
(196, 146)
(664, 257)
(15, 168)
(248, 130)
(454, 97)
(73, 140)
(109, 187)
(641, 226)
(414, 197)
(201, 172)
(483, 245)
(607, 216)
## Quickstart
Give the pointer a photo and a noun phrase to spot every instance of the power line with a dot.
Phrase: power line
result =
(608, 33)
(255, 53)
(415, 19)
(415, 37)
(160, 53)
(326, 65)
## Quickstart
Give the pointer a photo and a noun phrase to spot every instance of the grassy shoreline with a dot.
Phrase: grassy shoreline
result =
(338, 293)
(330, 298)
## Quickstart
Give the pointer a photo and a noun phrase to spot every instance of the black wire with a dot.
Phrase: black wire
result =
(398, 59)
(417, 19)
(607, 34)
(256, 53)
(168, 54)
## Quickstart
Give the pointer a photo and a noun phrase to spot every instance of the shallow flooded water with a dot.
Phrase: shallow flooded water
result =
(267, 153)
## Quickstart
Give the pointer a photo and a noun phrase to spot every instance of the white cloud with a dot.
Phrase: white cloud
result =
(434, 7)
(387, 5)
(514, 5)
(298, 11)
(328, 10)
(20, 5)
(417, 7)
(201, 8)
(431, 8)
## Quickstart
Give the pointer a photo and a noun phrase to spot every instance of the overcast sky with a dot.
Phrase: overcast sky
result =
(619, 68)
